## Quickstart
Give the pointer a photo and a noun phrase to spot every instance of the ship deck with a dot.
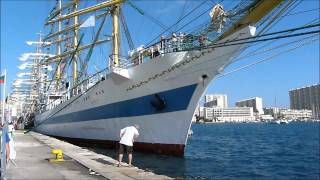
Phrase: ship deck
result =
(34, 150)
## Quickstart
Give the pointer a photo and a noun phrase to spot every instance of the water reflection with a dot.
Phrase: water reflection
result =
(240, 151)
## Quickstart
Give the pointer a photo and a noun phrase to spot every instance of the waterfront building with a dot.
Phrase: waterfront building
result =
(273, 111)
(216, 100)
(11, 110)
(1, 103)
(295, 114)
(306, 98)
(266, 117)
(198, 113)
(255, 103)
(231, 114)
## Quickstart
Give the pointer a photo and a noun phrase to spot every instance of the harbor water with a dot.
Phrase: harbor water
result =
(241, 151)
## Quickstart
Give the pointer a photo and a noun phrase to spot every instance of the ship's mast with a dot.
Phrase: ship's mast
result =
(38, 76)
(58, 74)
(113, 7)
(75, 43)
(86, 10)
(115, 35)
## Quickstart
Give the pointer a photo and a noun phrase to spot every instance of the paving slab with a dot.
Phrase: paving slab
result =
(32, 162)
(34, 150)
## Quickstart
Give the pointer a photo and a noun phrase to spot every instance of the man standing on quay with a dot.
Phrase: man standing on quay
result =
(127, 136)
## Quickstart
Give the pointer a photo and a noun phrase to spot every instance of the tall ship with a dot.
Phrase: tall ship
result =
(157, 86)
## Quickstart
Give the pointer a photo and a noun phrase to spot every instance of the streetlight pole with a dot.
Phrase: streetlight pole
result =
(4, 131)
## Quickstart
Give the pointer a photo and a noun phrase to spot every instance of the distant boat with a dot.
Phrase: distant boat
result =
(279, 121)
(274, 122)
(284, 121)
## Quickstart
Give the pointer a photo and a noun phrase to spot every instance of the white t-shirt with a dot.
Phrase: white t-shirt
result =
(128, 135)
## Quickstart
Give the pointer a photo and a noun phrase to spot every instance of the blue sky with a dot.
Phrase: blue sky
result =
(21, 20)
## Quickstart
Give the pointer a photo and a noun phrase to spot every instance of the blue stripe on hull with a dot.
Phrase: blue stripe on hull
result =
(175, 100)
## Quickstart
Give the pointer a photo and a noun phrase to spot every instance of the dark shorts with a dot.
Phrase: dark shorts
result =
(122, 147)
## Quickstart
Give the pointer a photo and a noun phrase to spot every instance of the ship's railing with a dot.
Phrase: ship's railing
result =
(202, 36)
(123, 62)
(165, 46)
(84, 85)
(79, 89)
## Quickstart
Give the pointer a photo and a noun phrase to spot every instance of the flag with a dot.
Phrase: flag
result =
(89, 22)
(252, 30)
(2, 79)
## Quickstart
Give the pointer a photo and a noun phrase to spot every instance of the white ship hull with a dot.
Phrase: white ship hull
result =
(179, 79)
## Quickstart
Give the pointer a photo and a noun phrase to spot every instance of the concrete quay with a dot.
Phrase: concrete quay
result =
(34, 151)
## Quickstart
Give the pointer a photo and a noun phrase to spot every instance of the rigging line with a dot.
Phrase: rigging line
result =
(288, 8)
(277, 17)
(176, 22)
(259, 40)
(194, 19)
(301, 12)
(126, 30)
(268, 58)
(268, 34)
(253, 4)
(191, 29)
(70, 90)
(259, 52)
(254, 53)
(273, 21)
(274, 33)
(267, 39)
(89, 54)
(77, 97)
(154, 20)
(72, 57)
(200, 16)
(58, 64)
(54, 113)
(213, 2)
(270, 42)
(229, 43)
(277, 14)
(181, 14)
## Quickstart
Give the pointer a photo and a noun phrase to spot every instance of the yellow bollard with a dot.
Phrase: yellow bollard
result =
(59, 156)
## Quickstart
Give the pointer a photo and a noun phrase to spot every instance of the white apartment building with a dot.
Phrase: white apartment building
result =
(216, 100)
(255, 103)
(198, 112)
(295, 114)
(231, 114)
